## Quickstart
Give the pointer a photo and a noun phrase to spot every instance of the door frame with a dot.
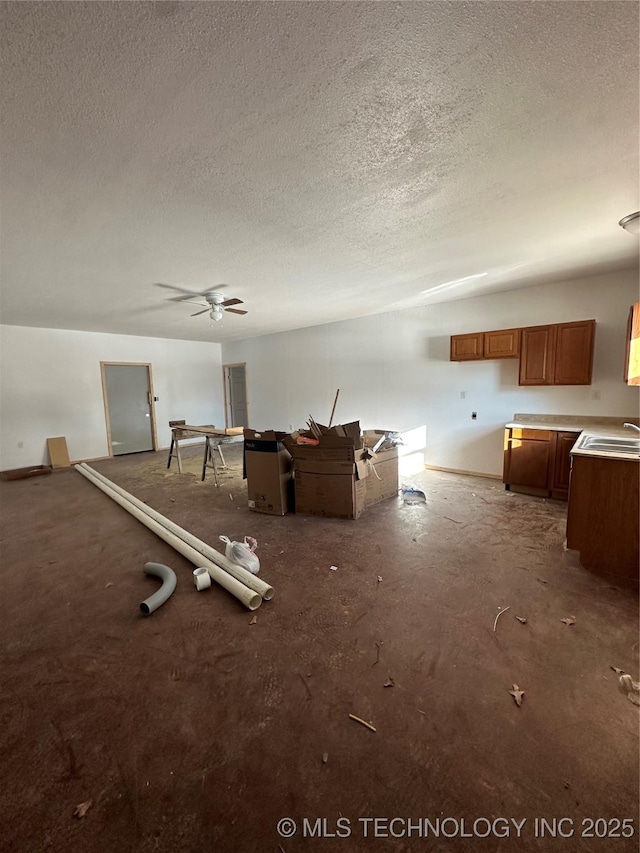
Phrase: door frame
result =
(227, 400)
(150, 395)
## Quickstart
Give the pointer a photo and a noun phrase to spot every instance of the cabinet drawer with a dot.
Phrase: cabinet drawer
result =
(532, 434)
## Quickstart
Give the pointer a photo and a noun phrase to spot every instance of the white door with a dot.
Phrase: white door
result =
(236, 388)
(128, 407)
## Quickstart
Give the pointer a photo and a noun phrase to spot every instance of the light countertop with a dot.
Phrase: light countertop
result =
(586, 426)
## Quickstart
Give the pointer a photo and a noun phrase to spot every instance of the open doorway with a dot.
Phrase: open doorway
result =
(236, 410)
(127, 389)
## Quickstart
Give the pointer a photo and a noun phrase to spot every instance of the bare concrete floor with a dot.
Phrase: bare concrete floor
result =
(192, 730)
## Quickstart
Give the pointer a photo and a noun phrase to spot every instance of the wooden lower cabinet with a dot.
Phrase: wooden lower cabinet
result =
(538, 462)
(603, 515)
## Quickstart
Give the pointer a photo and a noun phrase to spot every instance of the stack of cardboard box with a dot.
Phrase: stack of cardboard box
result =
(337, 472)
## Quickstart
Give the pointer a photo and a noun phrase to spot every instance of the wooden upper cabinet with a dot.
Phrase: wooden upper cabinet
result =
(467, 347)
(574, 353)
(557, 354)
(504, 343)
(560, 354)
(537, 355)
(632, 356)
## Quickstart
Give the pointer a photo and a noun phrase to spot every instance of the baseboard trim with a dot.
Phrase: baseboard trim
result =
(93, 459)
(463, 471)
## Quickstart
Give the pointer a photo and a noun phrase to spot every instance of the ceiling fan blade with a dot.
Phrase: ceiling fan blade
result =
(236, 311)
(198, 313)
(232, 302)
(173, 287)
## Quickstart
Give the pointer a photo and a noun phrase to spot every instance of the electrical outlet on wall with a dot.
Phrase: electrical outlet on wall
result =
(474, 416)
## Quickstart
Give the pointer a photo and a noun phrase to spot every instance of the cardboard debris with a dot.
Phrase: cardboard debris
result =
(267, 470)
(58, 453)
(337, 474)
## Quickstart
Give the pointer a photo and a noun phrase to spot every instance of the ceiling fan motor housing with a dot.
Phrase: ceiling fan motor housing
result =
(214, 298)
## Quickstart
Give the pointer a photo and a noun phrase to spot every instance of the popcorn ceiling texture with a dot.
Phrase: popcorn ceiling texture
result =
(326, 160)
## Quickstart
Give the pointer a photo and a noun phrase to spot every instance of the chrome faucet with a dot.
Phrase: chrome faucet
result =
(633, 426)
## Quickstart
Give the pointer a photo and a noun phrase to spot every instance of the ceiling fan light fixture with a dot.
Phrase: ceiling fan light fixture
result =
(631, 223)
(216, 313)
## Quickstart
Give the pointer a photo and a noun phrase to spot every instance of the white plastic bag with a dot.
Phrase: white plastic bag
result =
(242, 553)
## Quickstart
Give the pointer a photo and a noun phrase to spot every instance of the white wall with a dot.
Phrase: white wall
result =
(393, 370)
(50, 385)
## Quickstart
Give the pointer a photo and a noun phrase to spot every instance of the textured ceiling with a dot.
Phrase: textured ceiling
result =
(325, 160)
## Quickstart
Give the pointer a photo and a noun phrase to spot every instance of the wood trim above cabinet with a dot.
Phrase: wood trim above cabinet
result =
(502, 343)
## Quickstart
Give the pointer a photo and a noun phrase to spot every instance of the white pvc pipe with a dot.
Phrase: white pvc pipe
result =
(263, 589)
(248, 597)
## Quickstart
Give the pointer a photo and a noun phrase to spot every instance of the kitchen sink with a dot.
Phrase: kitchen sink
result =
(610, 444)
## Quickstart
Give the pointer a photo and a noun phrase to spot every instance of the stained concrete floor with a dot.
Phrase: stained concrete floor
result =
(194, 730)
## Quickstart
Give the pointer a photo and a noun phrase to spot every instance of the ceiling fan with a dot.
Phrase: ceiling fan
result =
(216, 304)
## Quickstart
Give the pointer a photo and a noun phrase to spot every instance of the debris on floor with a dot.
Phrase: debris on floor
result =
(325, 757)
(377, 660)
(333, 568)
(617, 670)
(389, 682)
(517, 695)
(500, 612)
(82, 808)
(253, 619)
(363, 722)
(410, 495)
(631, 688)
(306, 686)
(242, 553)
(522, 619)
(379, 578)
(569, 620)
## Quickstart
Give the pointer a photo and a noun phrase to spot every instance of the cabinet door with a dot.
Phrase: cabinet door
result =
(467, 347)
(632, 359)
(504, 343)
(562, 459)
(527, 461)
(537, 355)
(574, 353)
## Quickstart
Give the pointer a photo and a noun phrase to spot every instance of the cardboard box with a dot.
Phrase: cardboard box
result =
(267, 470)
(332, 447)
(331, 489)
(382, 482)
(334, 495)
